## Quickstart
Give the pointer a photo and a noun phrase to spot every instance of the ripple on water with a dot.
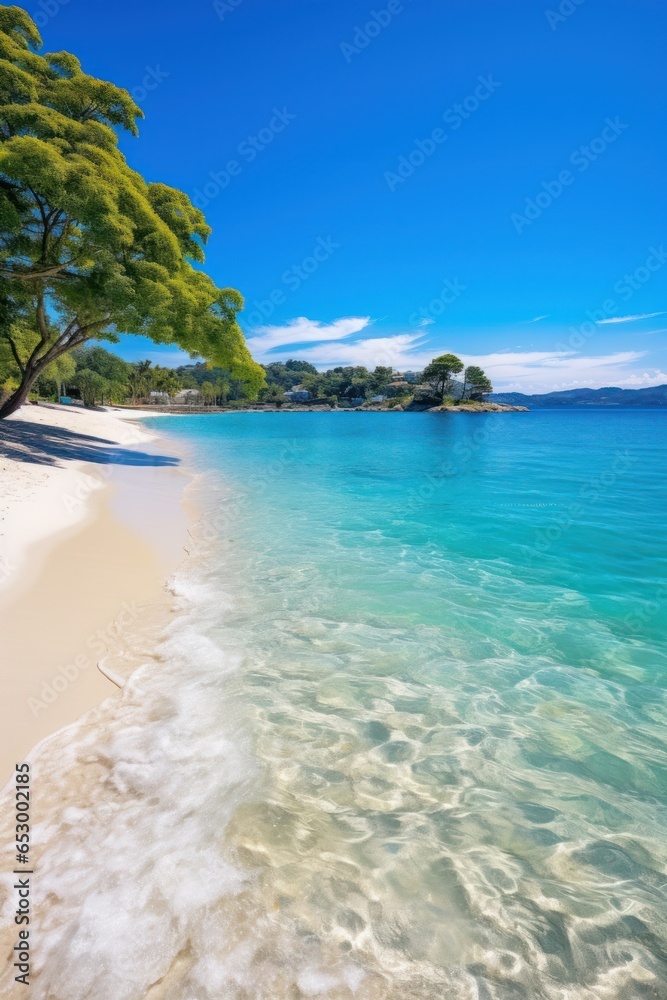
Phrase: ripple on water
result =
(413, 758)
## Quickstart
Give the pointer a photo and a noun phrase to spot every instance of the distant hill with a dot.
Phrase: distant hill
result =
(654, 396)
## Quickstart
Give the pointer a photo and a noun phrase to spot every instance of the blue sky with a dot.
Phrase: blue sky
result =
(389, 181)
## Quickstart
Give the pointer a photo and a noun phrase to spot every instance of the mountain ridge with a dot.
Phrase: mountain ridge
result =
(610, 396)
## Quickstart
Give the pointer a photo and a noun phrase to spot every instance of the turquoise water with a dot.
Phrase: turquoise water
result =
(404, 736)
(450, 632)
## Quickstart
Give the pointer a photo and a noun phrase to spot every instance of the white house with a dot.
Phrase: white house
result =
(297, 395)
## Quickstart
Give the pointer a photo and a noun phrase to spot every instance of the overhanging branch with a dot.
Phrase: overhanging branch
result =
(43, 274)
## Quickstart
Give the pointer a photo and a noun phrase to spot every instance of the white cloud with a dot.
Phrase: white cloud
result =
(645, 379)
(426, 321)
(548, 371)
(330, 345)
(628, 319)
(304, 331)
(397, 351)
(536, 319)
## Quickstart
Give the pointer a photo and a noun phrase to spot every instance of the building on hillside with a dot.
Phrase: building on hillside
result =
(413, 377)
(188, 396)
(297, 395)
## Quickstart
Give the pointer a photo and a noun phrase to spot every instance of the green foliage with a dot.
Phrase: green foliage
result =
(166, 380)
(83, 238)
(207, 390)
(222, 387)
(475, 383)
(379, 380)
(92, 386)
(440, 372)
(106, 364)
(344, 383)
(272, 394)
(289, 374)
(192, 377)
(57, 376)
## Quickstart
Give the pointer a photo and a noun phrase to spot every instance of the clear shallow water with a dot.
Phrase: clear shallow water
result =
(406, 738)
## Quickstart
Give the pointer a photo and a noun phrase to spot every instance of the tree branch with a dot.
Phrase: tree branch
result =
(15, 353)
(40, 275)
(42, 322)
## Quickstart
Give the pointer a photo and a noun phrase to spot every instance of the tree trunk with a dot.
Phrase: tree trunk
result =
(18, 398)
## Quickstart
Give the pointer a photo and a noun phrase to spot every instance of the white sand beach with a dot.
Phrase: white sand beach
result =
(91, 525)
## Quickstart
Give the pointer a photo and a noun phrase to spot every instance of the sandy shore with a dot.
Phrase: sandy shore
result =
(91, 525)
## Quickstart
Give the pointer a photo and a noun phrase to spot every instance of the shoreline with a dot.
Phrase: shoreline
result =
(195, 411)
(93, 524)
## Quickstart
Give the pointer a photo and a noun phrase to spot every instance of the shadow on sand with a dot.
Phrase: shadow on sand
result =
(43, 445)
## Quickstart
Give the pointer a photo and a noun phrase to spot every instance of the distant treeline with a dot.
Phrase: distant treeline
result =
(97, 376)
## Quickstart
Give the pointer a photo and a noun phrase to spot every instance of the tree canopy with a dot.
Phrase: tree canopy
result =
(352, 382)
(441, 371)
(476, 383)
(88, 248)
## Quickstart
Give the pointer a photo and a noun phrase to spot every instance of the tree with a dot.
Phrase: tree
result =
(476, 383)
(91, 385)
(207, 390)
(166, 380)
(140, 379)
(115, 392)
(57, 376)
(188, 382)
(222, 390)
(271, 394)
(289, 374)
(88, 248)
(99, 360)
(380, 379)
(440, 371)
(300, 366)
